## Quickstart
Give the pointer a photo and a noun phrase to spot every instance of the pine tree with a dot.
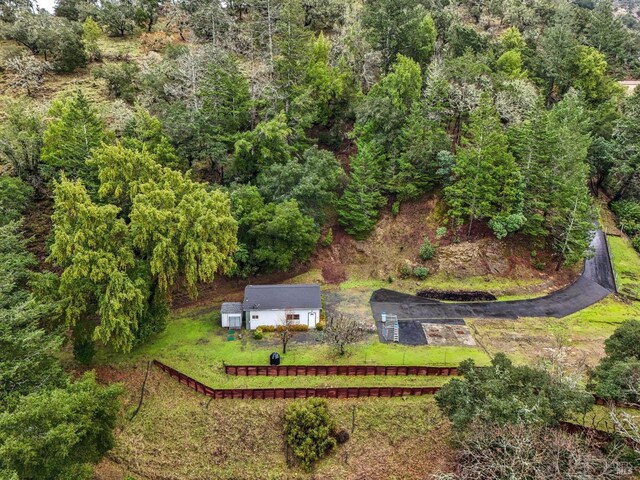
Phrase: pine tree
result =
(69, 138)
(359, 205)
(488, 183)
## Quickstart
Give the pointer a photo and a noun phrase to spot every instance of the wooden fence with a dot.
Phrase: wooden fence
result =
(327, 370)
(276, 393)
(328, 392)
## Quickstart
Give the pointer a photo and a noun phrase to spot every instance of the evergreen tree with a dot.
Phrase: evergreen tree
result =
(59, 433)
(358, 208)
(75, 129)
(488, 183)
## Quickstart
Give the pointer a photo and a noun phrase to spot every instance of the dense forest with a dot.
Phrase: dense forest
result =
(248, 130)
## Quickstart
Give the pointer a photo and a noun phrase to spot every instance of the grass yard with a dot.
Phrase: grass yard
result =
(196, 345)
(627, 266)
(180, 434)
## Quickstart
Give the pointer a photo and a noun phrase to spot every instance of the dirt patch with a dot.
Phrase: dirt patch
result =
(333, 273)
(448, 335)
(471, 296)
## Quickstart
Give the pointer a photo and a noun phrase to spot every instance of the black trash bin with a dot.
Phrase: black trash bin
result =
(274, 358)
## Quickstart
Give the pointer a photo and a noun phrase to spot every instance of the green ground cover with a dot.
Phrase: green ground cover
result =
(627, 266)
(195, 344)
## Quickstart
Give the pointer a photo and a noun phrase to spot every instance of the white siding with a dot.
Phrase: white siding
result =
(224, 319)
(308, 317)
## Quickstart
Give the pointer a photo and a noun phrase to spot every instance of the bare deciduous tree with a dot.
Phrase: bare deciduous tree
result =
(287, 327)
(28, 73)
(342, 331)
(522, 451)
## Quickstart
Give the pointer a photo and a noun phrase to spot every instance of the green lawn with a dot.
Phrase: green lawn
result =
(196, 345)
(627, 266)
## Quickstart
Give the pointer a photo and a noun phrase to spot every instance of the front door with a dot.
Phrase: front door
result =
(312, 319)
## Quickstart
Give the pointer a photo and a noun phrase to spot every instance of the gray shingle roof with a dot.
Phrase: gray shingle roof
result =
(231, 307)
(276, 297)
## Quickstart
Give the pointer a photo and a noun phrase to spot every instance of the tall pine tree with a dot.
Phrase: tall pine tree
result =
(488, 182)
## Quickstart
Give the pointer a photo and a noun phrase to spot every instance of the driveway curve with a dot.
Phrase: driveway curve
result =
(595, 283)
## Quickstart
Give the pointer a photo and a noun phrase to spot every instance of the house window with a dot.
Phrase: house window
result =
(254, 317)
(293, 317)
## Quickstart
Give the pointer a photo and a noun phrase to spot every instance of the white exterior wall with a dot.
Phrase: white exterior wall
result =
(276, 317)
(224, 318)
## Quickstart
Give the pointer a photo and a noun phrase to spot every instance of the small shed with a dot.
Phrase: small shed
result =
(231, 314)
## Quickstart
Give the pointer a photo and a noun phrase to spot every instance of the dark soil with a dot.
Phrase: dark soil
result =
(471, 296)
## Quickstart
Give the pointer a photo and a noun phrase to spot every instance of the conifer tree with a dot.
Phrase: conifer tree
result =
(358, 208)
(488, 183)
(69, 138)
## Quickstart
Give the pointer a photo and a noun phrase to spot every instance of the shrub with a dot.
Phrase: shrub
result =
(292, 328)
(341, 436)
(122, 79)
(527, 451)
(268, 328)
(257, 334)
(635, 242)
(308, 428)
(427, 250)
(504, 225)
(508, 394)
(320, 326)
(328, 238)
(405, 271)
(421, 272)
(441, 232)
(395, 209)
(628, 213)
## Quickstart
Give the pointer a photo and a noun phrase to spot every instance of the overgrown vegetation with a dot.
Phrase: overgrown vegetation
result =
(308, 428)
(206, 139)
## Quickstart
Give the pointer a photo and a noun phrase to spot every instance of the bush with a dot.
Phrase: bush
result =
(320, 326)
(395, 209)
(427, 250)
(122, 79)
(526, 451)
(328, 238)
(257, 334)
(14, 196)
(628, 213)
(405, 271)
(308, 428)
(635, 243)
(282, 328)
(505, 394)
(292, 328)
(441, 232)
(421, 272)
(504, 225)
(341, 436)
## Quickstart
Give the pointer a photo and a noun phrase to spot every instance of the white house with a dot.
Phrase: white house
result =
(274, 305)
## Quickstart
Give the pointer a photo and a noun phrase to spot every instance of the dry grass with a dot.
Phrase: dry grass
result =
(181, 435)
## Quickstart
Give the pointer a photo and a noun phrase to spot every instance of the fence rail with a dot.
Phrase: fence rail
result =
(328, 370)
(328, 392)
(278, 393)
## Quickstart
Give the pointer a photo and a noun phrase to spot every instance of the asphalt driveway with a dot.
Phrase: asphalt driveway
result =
(595, 283)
